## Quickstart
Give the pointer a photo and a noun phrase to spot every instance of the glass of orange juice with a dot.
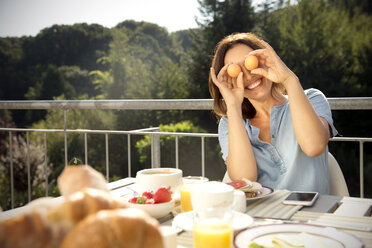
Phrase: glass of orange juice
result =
(215, 231)
(212, 215)
(187, 184)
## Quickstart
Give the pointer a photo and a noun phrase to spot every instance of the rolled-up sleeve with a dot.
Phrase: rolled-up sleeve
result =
(321, 107)
(223, 137)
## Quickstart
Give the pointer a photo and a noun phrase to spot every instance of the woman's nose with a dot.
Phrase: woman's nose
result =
(246, 74)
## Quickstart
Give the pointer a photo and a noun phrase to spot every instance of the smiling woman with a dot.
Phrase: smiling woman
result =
(264, 134)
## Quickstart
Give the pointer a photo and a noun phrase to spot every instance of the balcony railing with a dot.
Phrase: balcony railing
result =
(354, 103)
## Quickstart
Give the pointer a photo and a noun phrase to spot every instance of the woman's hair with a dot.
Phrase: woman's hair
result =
(249, 39)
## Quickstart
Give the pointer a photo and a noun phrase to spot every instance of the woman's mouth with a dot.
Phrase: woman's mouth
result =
(254, 85)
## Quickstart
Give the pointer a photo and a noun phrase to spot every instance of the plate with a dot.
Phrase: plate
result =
(264, 192)
(185, 221)
(317, 235)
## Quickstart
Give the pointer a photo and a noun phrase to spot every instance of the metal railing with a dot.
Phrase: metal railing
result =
(357, 103)
(336, 103)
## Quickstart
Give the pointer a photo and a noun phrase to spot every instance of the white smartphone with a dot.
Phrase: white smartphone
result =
(304, 198)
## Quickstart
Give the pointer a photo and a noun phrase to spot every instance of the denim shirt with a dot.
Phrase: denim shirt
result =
(282, 164)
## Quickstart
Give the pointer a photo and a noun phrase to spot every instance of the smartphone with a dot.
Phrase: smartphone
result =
(304, 198)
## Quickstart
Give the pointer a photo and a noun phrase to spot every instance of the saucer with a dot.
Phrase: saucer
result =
(185, 221)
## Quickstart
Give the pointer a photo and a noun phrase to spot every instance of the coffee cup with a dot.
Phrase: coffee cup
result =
(169, 235)
(240, 201)
(216, 194)
(154, 178)
(212, 194)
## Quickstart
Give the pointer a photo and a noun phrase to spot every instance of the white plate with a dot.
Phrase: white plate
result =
(338, 238)
(264, 192)
(185, 221)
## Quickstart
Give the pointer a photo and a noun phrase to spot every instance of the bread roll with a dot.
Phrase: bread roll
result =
(81, 204)
(30, 230)
(46, 203)
(46, 225)
(121, 228)
(87, 216)
(76, 177)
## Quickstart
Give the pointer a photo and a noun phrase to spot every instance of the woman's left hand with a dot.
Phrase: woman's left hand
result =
(276, 71)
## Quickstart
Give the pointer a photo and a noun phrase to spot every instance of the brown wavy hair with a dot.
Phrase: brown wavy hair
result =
(249, 39)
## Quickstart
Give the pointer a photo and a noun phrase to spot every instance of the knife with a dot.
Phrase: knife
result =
(317, 223)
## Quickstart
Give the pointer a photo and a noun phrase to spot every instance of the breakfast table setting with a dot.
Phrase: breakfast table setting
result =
(345, 221)
(187, 211)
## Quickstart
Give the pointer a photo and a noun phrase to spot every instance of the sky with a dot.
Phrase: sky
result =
(28, 17)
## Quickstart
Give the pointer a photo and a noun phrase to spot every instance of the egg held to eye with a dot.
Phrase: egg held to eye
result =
(233, 70)
(251, 62)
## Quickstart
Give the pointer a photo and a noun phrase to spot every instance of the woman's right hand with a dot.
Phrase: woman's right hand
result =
(232, 89)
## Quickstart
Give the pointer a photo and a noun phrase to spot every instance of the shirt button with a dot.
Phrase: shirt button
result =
(273, 136)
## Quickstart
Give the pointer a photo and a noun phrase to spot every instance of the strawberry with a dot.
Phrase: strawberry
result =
(148, 194)
(133, 200)
(163, 194)
(150, 201)
(141, 200)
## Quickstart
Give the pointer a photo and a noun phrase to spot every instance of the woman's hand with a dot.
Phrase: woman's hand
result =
(232, 89)
(276, 71)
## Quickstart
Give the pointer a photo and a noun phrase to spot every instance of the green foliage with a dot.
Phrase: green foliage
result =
(76, 119)
(51, 83)
(140, 68)
(78, 44)
(12, 72)
(144, 144)
(189, 151)
(79, 79)
(28, 163)
(318, 42)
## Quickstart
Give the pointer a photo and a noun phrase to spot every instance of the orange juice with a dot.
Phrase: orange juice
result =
(213, 234)
(185, 191)
(185, 198)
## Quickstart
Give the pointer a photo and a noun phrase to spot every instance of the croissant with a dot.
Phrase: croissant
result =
(81, 204)
(120, 228)
(47, 226)
(86, 216)
(76, 177)
(30, 230)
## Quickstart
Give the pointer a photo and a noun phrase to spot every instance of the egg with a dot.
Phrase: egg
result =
(251, 62)
(233, 70)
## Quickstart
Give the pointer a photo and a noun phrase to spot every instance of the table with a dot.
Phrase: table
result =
(347, 214)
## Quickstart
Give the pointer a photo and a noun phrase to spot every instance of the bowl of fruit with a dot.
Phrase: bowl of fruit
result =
(157, 204)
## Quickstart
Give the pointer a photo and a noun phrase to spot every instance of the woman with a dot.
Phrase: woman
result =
(266, 136)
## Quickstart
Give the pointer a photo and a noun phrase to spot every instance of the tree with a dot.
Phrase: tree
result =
(353, 6)
(51, 83)
(79, 79)
(141, 67)
(77, 119)
(326, 47)
(37, 170)
(12, 72)
(78, 44)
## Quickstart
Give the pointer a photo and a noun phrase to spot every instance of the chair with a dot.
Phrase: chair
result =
(337, 183)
